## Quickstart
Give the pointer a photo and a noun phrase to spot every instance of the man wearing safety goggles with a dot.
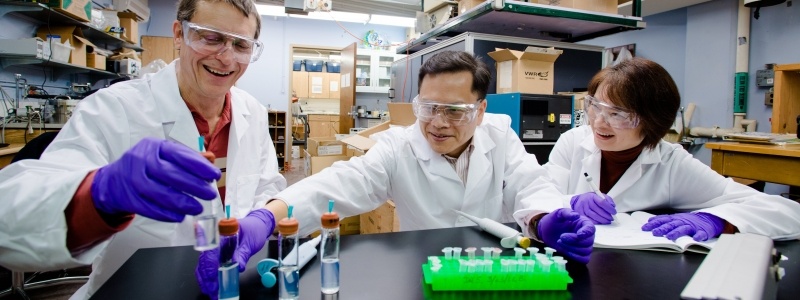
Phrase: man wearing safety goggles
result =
(132, 149)
(630, 107)
(455, 157)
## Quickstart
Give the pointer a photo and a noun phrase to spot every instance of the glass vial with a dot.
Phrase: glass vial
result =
(228, 275)
(329, 251)
(288, 265)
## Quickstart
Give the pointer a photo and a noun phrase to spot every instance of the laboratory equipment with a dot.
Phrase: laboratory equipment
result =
(205, 224)
(228, 275)
(594, 187)
(329, 251)
(518, 272)
(288, 266)
(509, 237)
(307, 250)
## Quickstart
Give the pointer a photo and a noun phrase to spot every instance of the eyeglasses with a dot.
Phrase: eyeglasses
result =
(615, 117)
(209, 41)
(456, 114)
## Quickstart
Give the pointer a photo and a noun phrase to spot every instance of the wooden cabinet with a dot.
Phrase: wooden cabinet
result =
(373, 70)
(277, 130)
(786, 104)
(323, 125)
(158, 47)
(334, 85)
(318, 85)
(300, 83)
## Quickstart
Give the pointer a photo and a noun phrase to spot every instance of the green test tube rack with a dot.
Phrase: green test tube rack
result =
(450, 276)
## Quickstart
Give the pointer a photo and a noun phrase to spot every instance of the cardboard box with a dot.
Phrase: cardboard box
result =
(529, 71)
(432, 5)
(577, 98)
(465, 5)
(382, 219)
(80, 10)
(128, 21)
(96, 61)
(314, 164)
(603, 6)
(325, 146)
(400, 114)
(71, 34)
(350, 225)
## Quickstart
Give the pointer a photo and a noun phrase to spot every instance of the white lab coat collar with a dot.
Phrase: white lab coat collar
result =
(591, 164)
(479, 163)
(175, 116)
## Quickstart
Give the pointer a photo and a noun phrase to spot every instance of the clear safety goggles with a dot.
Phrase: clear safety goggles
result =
(207, 41)
(456, 114)
(615, 117)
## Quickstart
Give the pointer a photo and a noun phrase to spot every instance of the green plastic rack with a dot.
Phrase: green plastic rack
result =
(449, 277)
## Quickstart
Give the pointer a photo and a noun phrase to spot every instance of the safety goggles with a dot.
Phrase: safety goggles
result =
(456, 114)
(615, 117)
(207, 41)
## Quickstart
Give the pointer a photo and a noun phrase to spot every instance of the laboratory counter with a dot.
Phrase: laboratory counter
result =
(387, 266)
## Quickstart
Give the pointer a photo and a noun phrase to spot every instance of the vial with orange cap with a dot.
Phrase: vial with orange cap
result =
(288, 265)
(228, 273)
(329, 251)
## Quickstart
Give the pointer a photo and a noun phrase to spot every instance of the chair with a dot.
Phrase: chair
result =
(33, 150)
(297, 114)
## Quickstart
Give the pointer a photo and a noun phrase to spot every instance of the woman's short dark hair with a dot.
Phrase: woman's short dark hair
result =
(458, 61)
(187, 8)
(645, 88)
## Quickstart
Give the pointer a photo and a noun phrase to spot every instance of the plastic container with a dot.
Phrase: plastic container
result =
(60, 52)
(333, 67)
(314, 65)
(228, 274)
(288, 265)
(298, 65)
(329, 251)
(448, 275)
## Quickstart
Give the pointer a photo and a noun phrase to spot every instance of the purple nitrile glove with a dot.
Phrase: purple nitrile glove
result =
(599, 210)
(569, 233)
(254, 229)
(700, 226)
(156, 179)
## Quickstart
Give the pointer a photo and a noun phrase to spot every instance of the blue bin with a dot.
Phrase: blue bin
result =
(333, 67)
(314, 65)
(298, 65)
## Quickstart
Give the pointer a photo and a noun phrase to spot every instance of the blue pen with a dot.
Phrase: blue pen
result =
(593, 186)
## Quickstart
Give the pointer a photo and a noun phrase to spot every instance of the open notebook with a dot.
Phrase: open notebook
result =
(626, 233)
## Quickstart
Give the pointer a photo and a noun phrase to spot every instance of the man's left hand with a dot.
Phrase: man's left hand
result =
(700, 226)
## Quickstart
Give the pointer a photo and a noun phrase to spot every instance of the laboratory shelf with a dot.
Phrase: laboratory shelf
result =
(59, 68)
(42, 14)
(529, 20)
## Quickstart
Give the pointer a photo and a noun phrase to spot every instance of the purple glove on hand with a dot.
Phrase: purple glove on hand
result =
(569, 233)
(599, 210)
(254, 229)
(700, 226)
(156, 179)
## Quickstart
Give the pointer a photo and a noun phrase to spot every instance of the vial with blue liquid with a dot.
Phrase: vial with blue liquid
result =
(288, 265)
(329, 251)
(228, 274)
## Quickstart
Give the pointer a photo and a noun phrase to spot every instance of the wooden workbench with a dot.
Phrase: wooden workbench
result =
(7, 154)
(770, 163)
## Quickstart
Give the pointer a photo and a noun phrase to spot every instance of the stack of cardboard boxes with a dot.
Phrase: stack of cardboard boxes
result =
(324, 152)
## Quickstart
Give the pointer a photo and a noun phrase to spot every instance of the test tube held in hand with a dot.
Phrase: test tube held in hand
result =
(594, 187)
(205, 224)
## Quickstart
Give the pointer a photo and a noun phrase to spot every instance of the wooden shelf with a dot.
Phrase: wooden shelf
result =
(786, 104)
(59, 68)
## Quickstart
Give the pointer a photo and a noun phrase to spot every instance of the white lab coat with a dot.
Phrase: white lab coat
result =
(668, 177)
(102, 128)
(423, 185)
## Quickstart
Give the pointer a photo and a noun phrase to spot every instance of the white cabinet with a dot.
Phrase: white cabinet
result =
(373, 70)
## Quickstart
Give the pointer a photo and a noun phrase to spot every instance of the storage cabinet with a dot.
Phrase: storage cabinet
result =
(318, 85)
(373, 70)
(786, 104)
(323, 125)
(277, 130)
(300, 83)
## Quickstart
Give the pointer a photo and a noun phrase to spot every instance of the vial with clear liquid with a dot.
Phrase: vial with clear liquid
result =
(288, 266)
(228, 274)
(329, 251)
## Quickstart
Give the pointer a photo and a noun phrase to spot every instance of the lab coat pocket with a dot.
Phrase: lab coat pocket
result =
(246, 190)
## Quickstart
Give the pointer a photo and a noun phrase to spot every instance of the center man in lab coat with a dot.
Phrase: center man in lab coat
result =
(455, 157)
(132, 148)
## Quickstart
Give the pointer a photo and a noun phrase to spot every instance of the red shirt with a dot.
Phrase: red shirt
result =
(86, 226)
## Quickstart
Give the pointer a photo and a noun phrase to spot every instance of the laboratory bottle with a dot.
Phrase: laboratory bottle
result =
(288, 265)
(228, 274)
(329, 252)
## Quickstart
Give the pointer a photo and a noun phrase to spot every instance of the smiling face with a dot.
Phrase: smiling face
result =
(449, 88)
(608, 138)
(211, 76)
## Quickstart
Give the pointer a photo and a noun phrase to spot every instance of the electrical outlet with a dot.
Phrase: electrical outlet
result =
(768, 97)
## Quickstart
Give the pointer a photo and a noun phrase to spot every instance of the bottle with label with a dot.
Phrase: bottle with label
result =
(228, 275)
(288, 265)
(329, 251)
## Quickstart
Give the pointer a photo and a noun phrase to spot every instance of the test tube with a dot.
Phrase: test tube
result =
(470, 266)
(457, 252)
(561, 265)
(545, 265)
(518, 252)
(530, 265)
(504, 265)
(532, 251)
(470, 253)
(206, 233)
(488, 265)
(448, 252)
(462, 265)
(549, 251)
(487, 252)
(496, 253)
(433, 260)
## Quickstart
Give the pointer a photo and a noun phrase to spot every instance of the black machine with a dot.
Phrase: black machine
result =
(535, 117)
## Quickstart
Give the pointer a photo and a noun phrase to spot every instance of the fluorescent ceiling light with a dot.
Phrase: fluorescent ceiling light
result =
(335, 15)
(392, 21)
(270, 10)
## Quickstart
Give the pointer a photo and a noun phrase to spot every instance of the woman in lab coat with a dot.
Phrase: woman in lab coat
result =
(630, 107)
